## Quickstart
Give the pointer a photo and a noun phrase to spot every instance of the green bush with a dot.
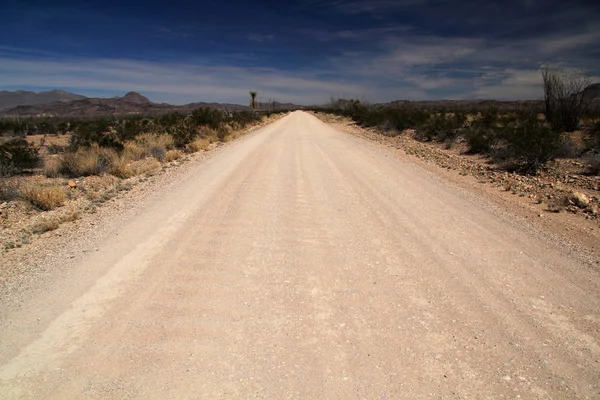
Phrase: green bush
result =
(86, 161)
(594, 136)
(88, 133)
(479, 138)
(530, 144)
(8, 190)
(442, 127)
(594, 162)
(207, 117)
(183, 132)
(16, 155)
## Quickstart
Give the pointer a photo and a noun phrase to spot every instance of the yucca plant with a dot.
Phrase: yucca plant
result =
(253, 101)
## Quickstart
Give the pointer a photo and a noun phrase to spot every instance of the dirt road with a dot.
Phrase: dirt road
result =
(304, 263)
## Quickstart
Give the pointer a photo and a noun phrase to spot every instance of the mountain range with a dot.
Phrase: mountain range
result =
(22, 97)
(59, 103)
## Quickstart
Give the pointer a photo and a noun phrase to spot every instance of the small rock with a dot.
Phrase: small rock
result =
(506, 378)
(579, 199)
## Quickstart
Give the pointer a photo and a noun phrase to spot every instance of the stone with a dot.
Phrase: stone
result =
(579, 199)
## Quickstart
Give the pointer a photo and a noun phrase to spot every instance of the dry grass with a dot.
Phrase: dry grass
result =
(146, 166)
(87, 161)
(594, 162)
(150, 140)
(134, 151)
(53, 222)
(8, 190)
(45, 196)
(148, 145)
(120, 168)
(208, 133)
(173, 155)
(558, 204)
(198, 145)
(52, 167)
(45, 225)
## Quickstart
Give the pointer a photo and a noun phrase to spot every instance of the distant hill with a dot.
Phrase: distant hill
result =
(25, 98)
(592, 91)
(469, 104)
(131, 104)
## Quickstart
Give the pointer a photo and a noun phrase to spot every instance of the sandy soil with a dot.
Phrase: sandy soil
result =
(302, 262)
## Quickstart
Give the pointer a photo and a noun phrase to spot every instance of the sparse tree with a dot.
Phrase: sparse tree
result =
(565, 98)
(253, 101)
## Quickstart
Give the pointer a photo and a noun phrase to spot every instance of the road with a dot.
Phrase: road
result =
(304, 263)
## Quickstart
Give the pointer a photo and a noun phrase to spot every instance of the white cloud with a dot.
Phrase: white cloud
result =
(553, 45)
(510, 84)
(164, 80)
(260, 38)
(399, 64)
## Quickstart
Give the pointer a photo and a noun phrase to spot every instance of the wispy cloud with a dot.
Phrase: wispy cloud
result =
(380, 49)
(163, 81)
(174, 32)
(365, 6)
(260, 38)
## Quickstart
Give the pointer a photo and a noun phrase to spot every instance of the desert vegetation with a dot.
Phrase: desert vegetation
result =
(48, 164)
(521, 139)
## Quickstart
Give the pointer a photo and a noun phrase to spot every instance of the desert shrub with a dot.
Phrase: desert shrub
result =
(242, 118)
(14, 126)
(131, 127)
(223, 133)
(397, 120)
(54, 148)
(204, 132)
(565, 98)
(391, 120)
(94, 132)
(565, 147)
(168, 120)
(593, 161)
(529, 144)
(133, 151)
(148, 140)
(43, 196)
(158, 152)
(198, 145)
(183, 132)
(146, 166)
(121, 168)
(479, 138)
(17, 155)
(210, 117)
(149, 145)
(594, 136)
(442, 127)
(173, 155)
(45, 225)
(52, 167)
(8, 190)
(87, 161)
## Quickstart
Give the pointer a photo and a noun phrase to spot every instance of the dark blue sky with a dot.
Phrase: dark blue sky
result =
(300, 51)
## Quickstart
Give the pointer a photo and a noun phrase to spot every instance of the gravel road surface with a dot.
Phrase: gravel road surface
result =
(304, 263)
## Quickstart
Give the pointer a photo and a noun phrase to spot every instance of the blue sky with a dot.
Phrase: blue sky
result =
(303, 51)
